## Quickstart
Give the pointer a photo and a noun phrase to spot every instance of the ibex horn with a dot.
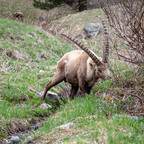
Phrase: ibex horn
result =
(86, 49)
(106, 42)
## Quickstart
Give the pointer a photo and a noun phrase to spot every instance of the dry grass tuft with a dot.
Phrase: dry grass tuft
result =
(129, 92)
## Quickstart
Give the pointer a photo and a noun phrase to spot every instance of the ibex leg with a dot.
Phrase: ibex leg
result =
(88, 89)
(84, 88)
(55, 80)
(74, 90)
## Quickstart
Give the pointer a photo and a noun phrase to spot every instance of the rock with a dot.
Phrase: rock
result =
(66, 126)
(15, 139)
(92, 27)
(28, 140)
(45, 106)
(41, 18)
(16, 55)
(91, 30)
(126, 116)
(35, 127)
(43, 55)
(133, 117)
(41, 71)
(51, 96)
(8, 142)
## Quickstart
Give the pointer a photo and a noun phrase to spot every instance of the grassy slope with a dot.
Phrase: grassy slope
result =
(20, 78)
(91, 124)
(25, 6)
(74, 23)
(31, 14)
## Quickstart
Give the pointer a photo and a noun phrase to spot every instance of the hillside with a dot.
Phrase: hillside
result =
(28, 59)
(29, 70)
(31, 14)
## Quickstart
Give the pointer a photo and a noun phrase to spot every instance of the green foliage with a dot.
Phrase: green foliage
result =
(3, 135)
(103, 85)
(15, 95)
(48, 4)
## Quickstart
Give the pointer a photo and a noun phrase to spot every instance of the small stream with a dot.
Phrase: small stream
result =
(16, 138)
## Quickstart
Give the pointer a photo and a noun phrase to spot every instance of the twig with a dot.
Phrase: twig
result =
(106, 114)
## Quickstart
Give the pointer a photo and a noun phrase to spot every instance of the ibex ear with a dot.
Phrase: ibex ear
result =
(91, 64)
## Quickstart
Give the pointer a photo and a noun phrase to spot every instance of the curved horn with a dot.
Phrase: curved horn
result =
(106, 42)
(86, 49)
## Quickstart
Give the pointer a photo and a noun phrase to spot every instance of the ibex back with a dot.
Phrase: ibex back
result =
(81, 68)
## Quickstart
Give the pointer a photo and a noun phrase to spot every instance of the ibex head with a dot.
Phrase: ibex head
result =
(103, 71)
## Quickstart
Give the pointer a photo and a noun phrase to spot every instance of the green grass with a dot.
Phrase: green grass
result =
(19, 77)
(91, 124)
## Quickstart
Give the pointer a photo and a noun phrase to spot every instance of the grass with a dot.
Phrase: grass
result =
(21, 75)
(91, 124)
(25, 6)
(31, 14)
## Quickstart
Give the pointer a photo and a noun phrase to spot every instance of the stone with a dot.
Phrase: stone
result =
(66, 126)
(126, 116)
(92, 29)
(41, 71)
(15, 139)
(41, 18)
(28, 140)
(35, 127)
(45, 106)
(51, 96)
(17, 55)
(7, 142)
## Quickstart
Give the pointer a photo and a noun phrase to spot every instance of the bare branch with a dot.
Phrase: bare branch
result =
(127, 19)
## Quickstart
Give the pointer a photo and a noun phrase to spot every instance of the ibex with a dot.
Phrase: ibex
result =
(81, 68)
(18, 15)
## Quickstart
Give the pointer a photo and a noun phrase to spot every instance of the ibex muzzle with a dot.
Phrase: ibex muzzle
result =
(81, 68)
